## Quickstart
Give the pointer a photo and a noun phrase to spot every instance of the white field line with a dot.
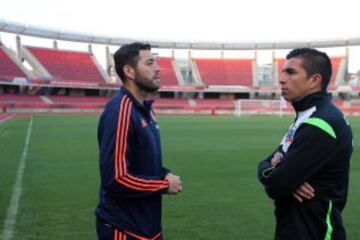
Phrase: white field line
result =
(8, 231)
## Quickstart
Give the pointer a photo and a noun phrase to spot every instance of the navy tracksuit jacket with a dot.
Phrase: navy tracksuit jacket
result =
(132, 175)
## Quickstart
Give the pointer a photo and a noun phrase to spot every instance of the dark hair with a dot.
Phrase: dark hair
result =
(128, 54)
(314, 62)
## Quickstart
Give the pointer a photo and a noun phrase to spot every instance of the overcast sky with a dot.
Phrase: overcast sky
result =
(225, 20)
(191, 20)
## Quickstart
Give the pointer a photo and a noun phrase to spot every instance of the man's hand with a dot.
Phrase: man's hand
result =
(276, 159)
(174, 183)
(305, 191)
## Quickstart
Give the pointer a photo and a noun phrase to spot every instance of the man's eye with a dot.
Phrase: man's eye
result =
(289, 71)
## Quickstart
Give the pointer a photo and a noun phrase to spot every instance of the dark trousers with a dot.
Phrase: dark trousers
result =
(107, 232)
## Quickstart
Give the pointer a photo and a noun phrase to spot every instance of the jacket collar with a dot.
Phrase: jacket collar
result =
(145, 106)
(310, 100)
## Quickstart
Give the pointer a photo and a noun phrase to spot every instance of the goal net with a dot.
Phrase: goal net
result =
(260, 107)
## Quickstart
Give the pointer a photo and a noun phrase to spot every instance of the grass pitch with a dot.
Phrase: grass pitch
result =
(216, 158)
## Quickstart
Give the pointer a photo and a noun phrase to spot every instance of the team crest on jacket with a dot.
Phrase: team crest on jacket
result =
(290, 135)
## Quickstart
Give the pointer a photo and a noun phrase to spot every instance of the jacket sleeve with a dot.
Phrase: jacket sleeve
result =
(113, 135)
(311, 149)
(265, 167)
(165, 171)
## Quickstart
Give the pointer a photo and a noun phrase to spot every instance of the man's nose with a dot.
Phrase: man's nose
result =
(282, 78)
(157, 67)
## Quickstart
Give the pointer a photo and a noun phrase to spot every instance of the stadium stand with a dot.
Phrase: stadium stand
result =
(338, 69)
(19, 98)
(170, 103)
(69, 66)
(212, 86)
(79, 100)
(9, 101)
(168, 76)
(110, 68)
(226, 71)
(278, 67)
(223, 104)
(5, 116)
(348, 106)
(37, 74)
(10, 68)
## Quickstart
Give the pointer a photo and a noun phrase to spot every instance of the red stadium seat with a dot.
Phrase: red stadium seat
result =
(8, 68)
(226, 71)
(68, 66)
(168, 76)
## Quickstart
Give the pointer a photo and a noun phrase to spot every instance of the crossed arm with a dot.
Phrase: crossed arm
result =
(290, 174)
(305, 191)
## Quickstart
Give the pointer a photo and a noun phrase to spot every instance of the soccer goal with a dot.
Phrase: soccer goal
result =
(260, 107)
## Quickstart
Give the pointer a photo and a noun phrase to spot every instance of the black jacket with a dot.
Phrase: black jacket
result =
(316, 149)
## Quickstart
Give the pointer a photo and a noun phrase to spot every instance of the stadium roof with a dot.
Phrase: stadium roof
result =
(56, 34)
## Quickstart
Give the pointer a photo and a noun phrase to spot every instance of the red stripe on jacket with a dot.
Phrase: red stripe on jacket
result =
(121, 174)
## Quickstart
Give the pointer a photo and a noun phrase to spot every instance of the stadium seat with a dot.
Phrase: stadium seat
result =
(226, 71)
(170, 103)
(68, 66)
(9, 69)
(168, 76)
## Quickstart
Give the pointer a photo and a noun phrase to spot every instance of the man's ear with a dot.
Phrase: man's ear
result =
(129, 72)
(316, 81)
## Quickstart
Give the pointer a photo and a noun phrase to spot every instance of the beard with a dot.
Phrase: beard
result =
(149, 88)
(145, 85)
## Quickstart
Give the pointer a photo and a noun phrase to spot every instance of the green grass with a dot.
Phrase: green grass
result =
(216, 158)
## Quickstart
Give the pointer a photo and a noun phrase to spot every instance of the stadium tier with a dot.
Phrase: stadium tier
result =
(226, 71)
(19, 98)
(168, 76)
(69, 66)
(51, 80)
(170, 103)
(78, 102)
(9, 101)
(9, 68)
(21, 101)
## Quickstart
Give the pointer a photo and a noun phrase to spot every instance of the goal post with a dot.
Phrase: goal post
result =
(260, 107)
